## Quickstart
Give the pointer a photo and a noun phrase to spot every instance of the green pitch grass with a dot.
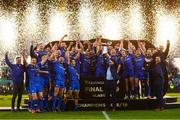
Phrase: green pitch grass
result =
(127, 114)
(5, 101)
(58, 115)
(130, 114)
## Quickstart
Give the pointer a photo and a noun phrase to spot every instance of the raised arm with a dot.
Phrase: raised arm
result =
(31, 50)
(50, 45)
(70, 45)
(24, 59)
(77, 55)
(130, 47)
(167, 49)
(141, 46)
(62, 39)
(43, 61)
(81, 47)
(67, 55)
(7, 60)
(54, 48)
(99, 45)
(89, 45)
(76, 46)
(121, 45)
(32, 54)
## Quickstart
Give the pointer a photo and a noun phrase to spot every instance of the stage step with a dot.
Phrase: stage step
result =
(172, 105)
(169, 99)
(132, 104)
(9, 109)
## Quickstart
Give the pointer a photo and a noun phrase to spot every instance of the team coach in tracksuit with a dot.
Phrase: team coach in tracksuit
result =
(17, 74)
(110, 83)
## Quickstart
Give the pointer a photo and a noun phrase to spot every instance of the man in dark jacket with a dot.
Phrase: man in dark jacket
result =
(110, 83)
(17, 73)
(163, 55)
(158, 82)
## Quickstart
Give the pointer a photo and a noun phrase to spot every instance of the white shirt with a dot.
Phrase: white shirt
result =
(109, 74)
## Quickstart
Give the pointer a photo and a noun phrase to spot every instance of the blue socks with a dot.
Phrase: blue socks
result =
(29, 104)
(40, 104)
(149, 91)
(75, 107)
(136, 91)
(63, 107)
(45, 101)
(60, 102)
(32, 104)
(54, 102)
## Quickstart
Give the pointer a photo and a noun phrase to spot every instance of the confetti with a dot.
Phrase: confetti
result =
(45, 21)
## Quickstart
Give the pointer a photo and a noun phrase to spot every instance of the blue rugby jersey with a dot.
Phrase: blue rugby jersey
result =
(33, 75)
(63, 51)
(44, 67)
(127, 62)
(73, 73)
(85, 63)
(17, 71)
(139, 63)
(59, 70)
(40, 54)
(100, 66)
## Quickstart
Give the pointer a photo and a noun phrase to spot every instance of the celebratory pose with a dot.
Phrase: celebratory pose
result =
(17, 72)
(110, 83)
(138, 72)
(35, 85)
(158, 82)
(55, 70)
(73, 76)
(128, 71)
(44, 76)
(59, 82)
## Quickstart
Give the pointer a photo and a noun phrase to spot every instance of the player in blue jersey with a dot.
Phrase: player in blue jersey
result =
(128, 71)
(85, 64)
(59, 81)
(40, 51)
(62, 46)
(35, 85)
(45, 78)
(100, 58)
(138, 72)
(75, 53)
(85, 60)
(114, 55)
(64, 63)
(27, 83)
(100, 65)
(73, 75)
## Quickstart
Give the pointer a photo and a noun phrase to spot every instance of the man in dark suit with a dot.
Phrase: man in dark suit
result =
(110, 83)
